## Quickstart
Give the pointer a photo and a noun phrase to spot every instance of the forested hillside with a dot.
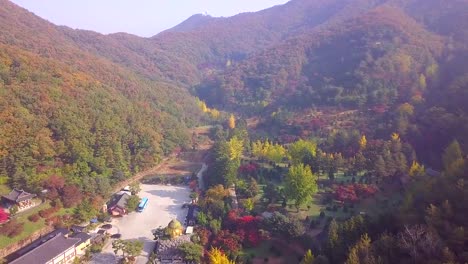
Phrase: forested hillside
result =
(67, 111)
(376, 58)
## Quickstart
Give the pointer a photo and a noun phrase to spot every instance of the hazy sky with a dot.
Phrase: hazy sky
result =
(140, 17)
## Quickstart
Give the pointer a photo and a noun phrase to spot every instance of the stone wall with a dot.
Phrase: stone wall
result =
(24, 242)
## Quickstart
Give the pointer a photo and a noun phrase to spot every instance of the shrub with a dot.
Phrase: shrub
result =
(34, 218)
(11, 229)
(322, 214)
(46, 213)
(96, 248)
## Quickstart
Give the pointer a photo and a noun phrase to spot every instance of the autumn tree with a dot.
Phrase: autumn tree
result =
(416, 170)
(363, 142)
(248, 204)
(300, 184)
(71, 196)
(216, 256)
(308, 258)
(452, 159)
(361, 252)
(3, 215)
(232, 122)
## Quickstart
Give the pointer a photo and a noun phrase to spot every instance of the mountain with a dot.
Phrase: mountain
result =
(88, 115)
(192, 23)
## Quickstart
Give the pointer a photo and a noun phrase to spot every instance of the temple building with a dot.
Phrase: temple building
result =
(20, 198)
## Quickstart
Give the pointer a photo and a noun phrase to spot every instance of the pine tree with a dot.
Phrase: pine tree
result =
(379, 166)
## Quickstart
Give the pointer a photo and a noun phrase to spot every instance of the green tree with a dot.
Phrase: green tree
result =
(301, 150)
(135, 187)
(132, 203)
(118, 245)
(300, 184)
(191, 252)
(380, 167)
(85, 211)
(215, 225)
(13, 210)
(248, 204)
(202, 219)
(133, 248)
(452, 159)
(270, 192)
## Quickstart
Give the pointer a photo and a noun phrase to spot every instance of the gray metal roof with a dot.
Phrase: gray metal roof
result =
(48, 250)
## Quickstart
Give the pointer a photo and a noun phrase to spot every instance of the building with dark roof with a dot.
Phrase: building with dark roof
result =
(20, 198)
(43, 239)
(85, 242)
(119, 207)
(59, 249)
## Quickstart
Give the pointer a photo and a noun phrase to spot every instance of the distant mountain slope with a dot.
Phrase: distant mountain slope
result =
(70, 110)
(192, 23)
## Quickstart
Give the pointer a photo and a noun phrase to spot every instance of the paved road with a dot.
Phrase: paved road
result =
(201, 184)
(165, 203)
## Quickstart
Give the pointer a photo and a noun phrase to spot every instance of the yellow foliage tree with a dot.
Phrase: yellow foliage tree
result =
(214, 113)
(308, 258)
(232, 122)
(395, 137)
(416, 169)
(216, 256)
(422, 81)
(406, 109)
(236, 147)
(363, 142)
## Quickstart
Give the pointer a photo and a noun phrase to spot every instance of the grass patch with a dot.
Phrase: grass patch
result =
(29, 227)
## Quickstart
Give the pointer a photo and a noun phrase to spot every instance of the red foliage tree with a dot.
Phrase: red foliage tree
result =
(244, 227)
(353, 192)
(249, 169)
(71, 195)
(227, 241)
(3, 215)
(193, 185)
(204, 235)
(55, 185)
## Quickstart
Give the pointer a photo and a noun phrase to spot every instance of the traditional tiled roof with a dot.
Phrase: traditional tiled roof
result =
(121, 202)
(18, 196)
(47, 251)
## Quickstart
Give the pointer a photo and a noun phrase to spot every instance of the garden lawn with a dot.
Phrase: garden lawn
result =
(29, 227)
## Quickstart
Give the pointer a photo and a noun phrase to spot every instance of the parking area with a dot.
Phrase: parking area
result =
(164, 204)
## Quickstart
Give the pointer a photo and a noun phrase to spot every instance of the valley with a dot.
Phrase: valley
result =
(312, 132)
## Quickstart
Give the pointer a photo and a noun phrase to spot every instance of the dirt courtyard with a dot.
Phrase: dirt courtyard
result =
(164, 204)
